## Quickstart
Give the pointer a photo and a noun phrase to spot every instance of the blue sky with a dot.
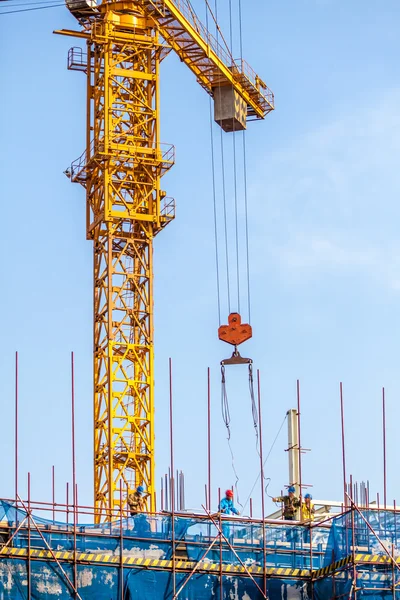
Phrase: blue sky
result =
(323, 188)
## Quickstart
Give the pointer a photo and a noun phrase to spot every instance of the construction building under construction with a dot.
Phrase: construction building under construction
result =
(354, 552)
(63, 550)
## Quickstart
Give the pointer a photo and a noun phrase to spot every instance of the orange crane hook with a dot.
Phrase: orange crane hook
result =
(235, 333)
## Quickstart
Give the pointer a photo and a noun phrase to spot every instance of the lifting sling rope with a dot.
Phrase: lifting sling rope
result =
(236, 333)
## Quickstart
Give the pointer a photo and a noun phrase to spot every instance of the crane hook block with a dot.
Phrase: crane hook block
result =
(235, 332)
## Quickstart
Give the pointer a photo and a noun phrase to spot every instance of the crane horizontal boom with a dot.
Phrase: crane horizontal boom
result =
(203, 54)
(239, 93)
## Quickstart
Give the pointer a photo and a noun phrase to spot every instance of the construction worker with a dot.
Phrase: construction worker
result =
(136, 506)
(136, 501)
(290, 504)
(226, 507)
(307, 516)
(307, 509)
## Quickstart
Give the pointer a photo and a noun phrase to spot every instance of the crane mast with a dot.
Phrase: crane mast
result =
(121, 170)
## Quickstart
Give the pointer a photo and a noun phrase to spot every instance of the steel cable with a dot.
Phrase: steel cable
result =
(214, 201)
(227, 420)
(235, 175)
(246, 220)
(225, 223)
(9, 12)
(13, 3)
(245, 178)
(226, 417)
(254, 410)
(223, 181)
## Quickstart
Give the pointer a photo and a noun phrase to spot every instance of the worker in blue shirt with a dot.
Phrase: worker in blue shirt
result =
(226, 507)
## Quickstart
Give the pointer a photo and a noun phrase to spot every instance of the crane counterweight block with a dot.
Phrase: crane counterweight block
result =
(235, 332)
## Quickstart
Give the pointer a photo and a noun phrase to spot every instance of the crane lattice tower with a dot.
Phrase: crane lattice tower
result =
(121, 171)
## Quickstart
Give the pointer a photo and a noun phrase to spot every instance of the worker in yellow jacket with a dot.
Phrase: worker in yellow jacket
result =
(307, 516)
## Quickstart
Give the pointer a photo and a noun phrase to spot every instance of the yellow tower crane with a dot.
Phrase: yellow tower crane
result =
(121, 170)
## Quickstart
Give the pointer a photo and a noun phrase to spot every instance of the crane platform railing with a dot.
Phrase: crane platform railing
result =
(77, 59)
(167, 210)
(160, 156)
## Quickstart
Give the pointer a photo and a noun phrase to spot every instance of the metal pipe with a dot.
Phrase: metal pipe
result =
(236, 554)
(299, 422)
(51, 551)
(16, 433)
(197, 565)
(209, 438)
(73, 428)
(73, 466)
(343, 444)
(393, 576)
(177, 496)
(353, 549)
(262, 483)
(53, 492)
(182, 500)
(375, 534)
(379, 507)
(311, 562)
(221, 585)
(172, 486)
(14, 535)
(384, 444)
(67, 502)
(29, 539)
(121, 543)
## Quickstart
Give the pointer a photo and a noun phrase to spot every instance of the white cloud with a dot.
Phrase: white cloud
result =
(333, 198)
(311, 254)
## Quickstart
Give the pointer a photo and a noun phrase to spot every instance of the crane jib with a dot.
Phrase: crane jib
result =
(239, 93)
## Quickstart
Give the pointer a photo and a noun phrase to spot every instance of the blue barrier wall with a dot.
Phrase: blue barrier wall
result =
(149, 538)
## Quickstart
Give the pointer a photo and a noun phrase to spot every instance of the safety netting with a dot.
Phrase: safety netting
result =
(374, 532)
(283, 545)
(290, 552)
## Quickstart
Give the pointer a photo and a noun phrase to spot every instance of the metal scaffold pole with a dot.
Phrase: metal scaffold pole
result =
(208, 440)
(262, 485)
(343, 444)
(16, 432)
(172, 485)
(29, 540)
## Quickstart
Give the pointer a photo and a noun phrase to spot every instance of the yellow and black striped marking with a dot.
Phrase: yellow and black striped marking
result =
(374, 558)
(203, 567)
(152, 563)
(336, 566)
(359, 559)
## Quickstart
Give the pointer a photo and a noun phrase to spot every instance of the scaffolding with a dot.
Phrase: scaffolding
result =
(204, 556)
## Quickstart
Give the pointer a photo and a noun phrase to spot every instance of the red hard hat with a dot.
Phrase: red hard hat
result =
(229, 493)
